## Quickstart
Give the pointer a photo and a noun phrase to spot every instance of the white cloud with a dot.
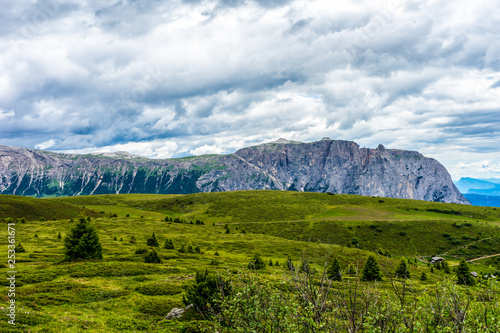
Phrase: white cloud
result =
(206, 150)
(46, 144)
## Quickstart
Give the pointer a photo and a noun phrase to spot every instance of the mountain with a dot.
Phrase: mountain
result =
(488, 187)
(323, 166)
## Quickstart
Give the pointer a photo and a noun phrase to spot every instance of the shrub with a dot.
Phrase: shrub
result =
(152, 241)
(256, 262)
(158, 307)
(82, 242)
(141, 251)
(159, 289)
(205, 290)
(169, 245)
(152, 257)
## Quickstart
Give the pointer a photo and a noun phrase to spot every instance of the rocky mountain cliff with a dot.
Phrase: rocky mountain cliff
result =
(324, 166)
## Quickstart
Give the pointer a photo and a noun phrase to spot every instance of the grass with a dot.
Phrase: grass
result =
(121, 293)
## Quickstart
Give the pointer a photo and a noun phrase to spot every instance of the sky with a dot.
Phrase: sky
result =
(176, 78)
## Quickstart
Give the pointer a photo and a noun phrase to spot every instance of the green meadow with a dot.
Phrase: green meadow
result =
(122, 293)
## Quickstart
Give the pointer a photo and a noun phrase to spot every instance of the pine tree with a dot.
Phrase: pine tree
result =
(371, 270)
(152, 241)
(333, 270)
(227, 231)
(423, 277)
(402, 271)
(270, 262)
(169, 244)
(19, 248)
(463, 274)
(152, 257)
(59, 236)
(115, 239)
(256, 262)
(82, 242)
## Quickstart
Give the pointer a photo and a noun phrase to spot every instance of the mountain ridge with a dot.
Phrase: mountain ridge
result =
(327, 165)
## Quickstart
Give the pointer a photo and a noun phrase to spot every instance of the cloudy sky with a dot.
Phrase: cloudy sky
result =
(189, 77)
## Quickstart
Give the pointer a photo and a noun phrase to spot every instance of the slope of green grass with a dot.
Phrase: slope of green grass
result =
(12, 206)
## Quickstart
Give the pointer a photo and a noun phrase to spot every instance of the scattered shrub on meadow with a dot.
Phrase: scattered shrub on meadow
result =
(152, 257)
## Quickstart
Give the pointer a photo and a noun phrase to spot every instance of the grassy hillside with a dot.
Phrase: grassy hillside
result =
(121, 293)
(403, 227)
(12, 206)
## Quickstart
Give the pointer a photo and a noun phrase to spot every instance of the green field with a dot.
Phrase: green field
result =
(122, 293)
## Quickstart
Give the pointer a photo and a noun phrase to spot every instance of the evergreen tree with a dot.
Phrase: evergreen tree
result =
(256, 262)
(133, 240)
(152, 257)
(371, 270)
(463, 274)
(402, 271)
(270, 262)
(169, 244)
(227, 231)
(115, 239)
(197, 249)
(189, 248)
(182, 249)
(19, 248)
(277, 263)
(432, 269)
(423, 277)
(59, 236)
(333, 270)
(152, 241)
(82, 242)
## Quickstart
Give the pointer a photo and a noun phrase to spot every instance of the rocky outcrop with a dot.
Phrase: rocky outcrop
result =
(324, 166)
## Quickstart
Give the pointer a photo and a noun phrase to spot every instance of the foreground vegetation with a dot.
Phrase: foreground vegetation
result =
(225, 235)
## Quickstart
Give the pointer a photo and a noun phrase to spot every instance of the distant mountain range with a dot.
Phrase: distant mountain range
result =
(480, 192)
(324, 166)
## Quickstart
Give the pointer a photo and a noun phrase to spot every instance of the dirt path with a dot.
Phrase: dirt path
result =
(492, 255)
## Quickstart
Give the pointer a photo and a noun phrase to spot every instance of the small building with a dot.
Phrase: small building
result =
(436, 259)
(474, 274)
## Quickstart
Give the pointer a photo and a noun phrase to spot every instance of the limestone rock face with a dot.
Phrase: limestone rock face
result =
(323, 166)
